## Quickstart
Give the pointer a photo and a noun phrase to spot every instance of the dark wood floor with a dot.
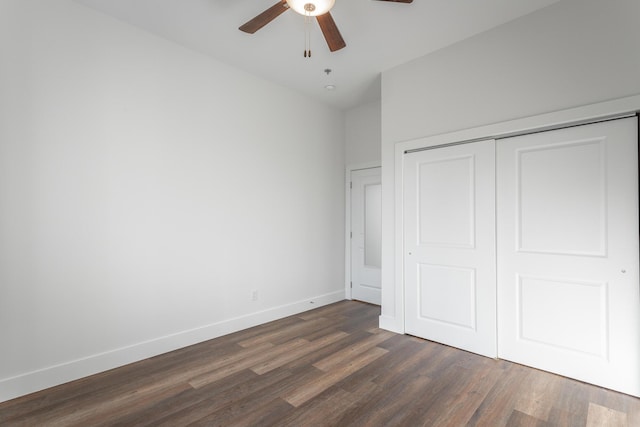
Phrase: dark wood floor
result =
(328, 367)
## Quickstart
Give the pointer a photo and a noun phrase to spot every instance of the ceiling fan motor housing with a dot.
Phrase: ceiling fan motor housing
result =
(311, 8)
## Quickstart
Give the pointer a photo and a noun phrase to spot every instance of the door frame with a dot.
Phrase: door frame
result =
(347, 220)
(393, 299)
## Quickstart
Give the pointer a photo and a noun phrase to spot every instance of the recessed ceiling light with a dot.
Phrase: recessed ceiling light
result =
(330, 87)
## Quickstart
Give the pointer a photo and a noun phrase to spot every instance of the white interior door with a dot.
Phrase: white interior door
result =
(366, 239)
(568, 296)
(449, 244)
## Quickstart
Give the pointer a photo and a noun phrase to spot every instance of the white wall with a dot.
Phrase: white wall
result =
(145, 192)
(573, 53)
(363, 134)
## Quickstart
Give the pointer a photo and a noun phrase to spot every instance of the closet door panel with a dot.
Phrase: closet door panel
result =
(450, 246)
(567, 210)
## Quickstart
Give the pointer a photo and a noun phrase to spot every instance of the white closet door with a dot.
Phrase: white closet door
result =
(568, 296)
(449, 243)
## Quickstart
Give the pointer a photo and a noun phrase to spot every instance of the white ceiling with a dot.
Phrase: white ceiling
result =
(379, 35)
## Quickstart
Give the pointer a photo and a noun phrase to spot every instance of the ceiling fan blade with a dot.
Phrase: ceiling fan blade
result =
(399, 1)
(265, 17)
(330, 31)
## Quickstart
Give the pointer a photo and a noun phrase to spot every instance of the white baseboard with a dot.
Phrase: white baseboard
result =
(31, 382)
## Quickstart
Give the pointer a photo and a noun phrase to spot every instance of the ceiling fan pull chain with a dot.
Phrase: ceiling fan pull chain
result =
(309, 19)
(307, 35)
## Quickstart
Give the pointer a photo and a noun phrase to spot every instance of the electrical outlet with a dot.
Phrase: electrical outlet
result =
(254, 295)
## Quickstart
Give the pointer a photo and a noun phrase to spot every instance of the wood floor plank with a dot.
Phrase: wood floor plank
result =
(499, 404)
(599, 416)
(447, 392)
(464, 393)
(416, 363)
(268, 413)
(633, 414)
(323, 352)
(352, 351)
(254, 359)
(571, 405)
(309, 391)
(294, 354)
(329, 407)
(538, 398)
(331, 366)
(232, 410)
(287, 333)
(405, 356)
(151, 413)
(87, 415)
(521, 419)
(383, 407)
(218, 402)
(618, 402)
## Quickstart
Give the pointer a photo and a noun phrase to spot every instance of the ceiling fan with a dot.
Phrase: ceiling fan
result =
(318, 8)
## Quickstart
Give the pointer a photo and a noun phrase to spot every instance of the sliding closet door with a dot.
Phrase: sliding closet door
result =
(568, 299)
(449, 244)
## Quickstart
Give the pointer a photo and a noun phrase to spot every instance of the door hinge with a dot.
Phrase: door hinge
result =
(351, 234)
(351, 185)
(351, 285)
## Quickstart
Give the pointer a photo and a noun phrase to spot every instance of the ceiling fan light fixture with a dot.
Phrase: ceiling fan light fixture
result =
(311, 7)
